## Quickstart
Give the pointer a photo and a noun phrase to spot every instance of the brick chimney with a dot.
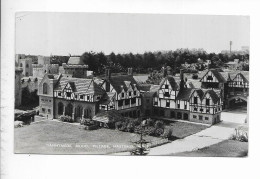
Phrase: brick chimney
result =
(130, 71)
(107, 74)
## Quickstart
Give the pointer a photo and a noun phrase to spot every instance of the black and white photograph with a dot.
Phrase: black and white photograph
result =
(131, 84)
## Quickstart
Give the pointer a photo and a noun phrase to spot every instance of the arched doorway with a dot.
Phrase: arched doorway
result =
(78, 112)
(69, 110)
(60, 108)
(185, 116)
(87, 113)
(237, 102)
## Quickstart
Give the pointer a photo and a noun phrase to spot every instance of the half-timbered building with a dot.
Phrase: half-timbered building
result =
(122, 94)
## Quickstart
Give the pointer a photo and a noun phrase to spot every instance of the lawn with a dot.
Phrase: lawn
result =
(50, 137)
(227, 148)
(181, 129)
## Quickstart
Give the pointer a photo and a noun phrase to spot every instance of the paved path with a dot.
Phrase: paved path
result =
(207, 137)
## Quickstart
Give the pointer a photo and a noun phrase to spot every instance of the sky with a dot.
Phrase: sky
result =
(45, 33)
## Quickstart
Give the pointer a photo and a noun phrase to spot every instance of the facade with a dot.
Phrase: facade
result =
(233, 85)
(76, 68)
(18, 87)
(75, 97)
(174, 100)
(122, 94)
(40, 70)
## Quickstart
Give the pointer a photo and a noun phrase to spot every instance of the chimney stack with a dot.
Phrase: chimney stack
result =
(164, 71)
(130, 71)
(181, 74)
(107, 74)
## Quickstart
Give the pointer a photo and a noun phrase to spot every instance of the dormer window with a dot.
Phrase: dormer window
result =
(81, 96)
(130, 93)
(207, 102)
(59, 93)
(134, 92)
(68, 94)
(166, 86)
(122, 95)
(195, 100)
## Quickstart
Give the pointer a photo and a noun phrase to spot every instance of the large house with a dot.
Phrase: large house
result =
(234, 85)
(122, 94)
(174, 100)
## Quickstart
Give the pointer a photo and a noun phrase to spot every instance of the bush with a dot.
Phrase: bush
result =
(159, 124)
(240, 135)
(65, 118)
(137, 121)
(130, 127)
(149, 122)
(84, 121)
(167, 133)
(138, 129)
(159, 131)
(150, 131)
(91, 127)
(118, 125)
(124, 126)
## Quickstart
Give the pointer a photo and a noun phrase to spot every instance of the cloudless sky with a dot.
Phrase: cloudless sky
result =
(41, 33)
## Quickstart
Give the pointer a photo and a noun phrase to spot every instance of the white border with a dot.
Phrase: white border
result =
(50, 166)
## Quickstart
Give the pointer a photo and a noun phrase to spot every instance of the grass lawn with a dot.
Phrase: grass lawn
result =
(227, 148)
(182, 129)
(50, 137)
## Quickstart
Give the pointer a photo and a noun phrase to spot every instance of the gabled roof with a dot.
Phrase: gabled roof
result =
(219, 77)
(118, 81)
(193, 83)
(80, 85)
(108, 97)
(245, 75)
(184, 94)
(75, 61)
(172, 81)
(213, 95)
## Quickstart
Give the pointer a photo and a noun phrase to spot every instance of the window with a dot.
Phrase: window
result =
(166, 94)
(195, 100)
(207, 110)
(42, 99)
(81, 96)
(167, 103)
(45, 88)
(185, 106)
(207, 102)
(195, 109)
(207, 118)
(201, 109)
(130, 93)
(103, 107)
(155, 102)
(200, 117)
(59, 93)
(88, 97)
(76, 96)
(178, 106)
(127, 102)
(69, 94)
(241, 83)
(166, 86)
(210, 78)
(133, 100)
(49, 111)
(123, 95)
(194, 117)
(134, 92)
(43, 110)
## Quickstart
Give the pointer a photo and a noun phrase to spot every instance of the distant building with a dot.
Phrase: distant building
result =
(26, 65)
(18, 87)
(75, 67)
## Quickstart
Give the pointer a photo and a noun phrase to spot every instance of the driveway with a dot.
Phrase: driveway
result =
(234, 116)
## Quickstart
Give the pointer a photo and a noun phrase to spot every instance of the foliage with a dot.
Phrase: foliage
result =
(29, 98)
(167, 133)
(138, 129)
(159, 124)
(240, 135)
(118, 125)
(150, 130)
(149, 122)
(159, 131)
(130, 126)
(64, 118)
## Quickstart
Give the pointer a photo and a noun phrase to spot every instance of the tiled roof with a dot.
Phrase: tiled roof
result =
(118, 81)
(75, 61)
(213, 95)
(193, 83)
(219, 77)
(184, 94)
(174, 82)
(80, 85)
(107, 98)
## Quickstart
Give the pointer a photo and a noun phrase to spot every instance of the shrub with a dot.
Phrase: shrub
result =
(124, 126)
(65, 118)
(149, 122)
(84, 121)
(159, 124)
(240, 135)
(159, 131)
(167, 133)
(137, 121)
(118, 125)
(130, 127)
(138, 129)
(150, 131)
(91, 127)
